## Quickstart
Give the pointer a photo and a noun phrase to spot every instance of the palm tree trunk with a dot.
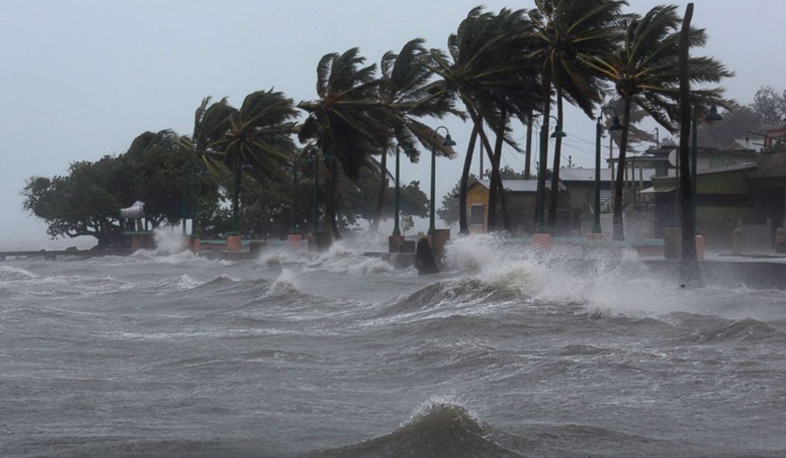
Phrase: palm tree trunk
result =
(618, 232)
(330, 207)
(540, 198)
(554, 199)
(383, 186)
(498, 185)
(495, 176)
(689, 268)
(494, 166)
(494, 184)
(463, 226)
(528, 151)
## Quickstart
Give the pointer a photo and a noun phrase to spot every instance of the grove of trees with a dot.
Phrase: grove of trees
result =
(497, 68)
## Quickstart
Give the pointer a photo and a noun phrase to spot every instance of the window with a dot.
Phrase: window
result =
(476, 215)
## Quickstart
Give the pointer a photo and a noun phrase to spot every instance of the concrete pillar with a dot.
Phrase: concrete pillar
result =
(780, 240)
(394, 243)
(542, 242)
(320, 241)
(700, 248)
(737, 241)
(672, 242)
(295, 242)
(439, 239)
(234, 243)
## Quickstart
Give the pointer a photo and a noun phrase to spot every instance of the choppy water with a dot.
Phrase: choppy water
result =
(342, 356)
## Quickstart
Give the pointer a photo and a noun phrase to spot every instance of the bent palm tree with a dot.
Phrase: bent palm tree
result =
(256, 136)
(644, 72)
(404, 91)
(347, 120)
(487, 68)
(565, 29)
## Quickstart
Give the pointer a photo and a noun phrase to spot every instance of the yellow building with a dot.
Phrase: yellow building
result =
(521, 195)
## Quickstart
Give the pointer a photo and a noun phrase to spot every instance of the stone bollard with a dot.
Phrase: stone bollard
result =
(736, 244)
(295, 242)
(700, 248)
(195, 245)
(234, 243)
(596, 237)
(425, 261)
(780, 240)
(542, 242)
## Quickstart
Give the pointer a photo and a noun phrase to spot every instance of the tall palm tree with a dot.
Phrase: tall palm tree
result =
(644, 72)
(565, 29)
(486, 68)
(257, 136)
(404, 90)
(346, 121)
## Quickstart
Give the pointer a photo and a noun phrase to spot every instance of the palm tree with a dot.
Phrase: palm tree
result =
(257, 137)
(644, 72)
(404, 91)
(346, 122)
(564, 30)
(486, 67)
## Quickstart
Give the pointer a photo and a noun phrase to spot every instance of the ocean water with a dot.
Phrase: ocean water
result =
(508, 354)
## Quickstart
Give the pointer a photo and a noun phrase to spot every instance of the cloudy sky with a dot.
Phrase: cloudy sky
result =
(80, 79)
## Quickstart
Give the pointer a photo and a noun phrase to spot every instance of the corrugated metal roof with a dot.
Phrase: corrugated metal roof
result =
(519, 185)
(568, 175)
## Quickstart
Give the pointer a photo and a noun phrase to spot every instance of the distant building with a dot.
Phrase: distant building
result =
(521, 197)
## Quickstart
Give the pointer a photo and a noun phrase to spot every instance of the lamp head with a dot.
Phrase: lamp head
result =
(247, 167)
(615, 124)
(558, 132)
(448, 141)
(713, 115)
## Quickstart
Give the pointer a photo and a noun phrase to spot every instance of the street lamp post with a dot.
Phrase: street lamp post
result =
(238, 169)
(615, 125)
(189, 199)
(447, 142)
(396, 227)
(396, 222)
(294, 215)
(541, 197)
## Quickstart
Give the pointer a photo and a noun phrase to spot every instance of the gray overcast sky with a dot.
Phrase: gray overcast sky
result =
(81, 79)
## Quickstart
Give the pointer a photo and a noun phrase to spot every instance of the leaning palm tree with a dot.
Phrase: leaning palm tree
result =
(346, 122)
(565, 29)
(486, 68)
(404, 91)
(644, 72)
(257, 137)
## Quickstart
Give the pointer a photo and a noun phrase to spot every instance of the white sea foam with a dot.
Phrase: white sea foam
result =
(9, 273)
(613, 284)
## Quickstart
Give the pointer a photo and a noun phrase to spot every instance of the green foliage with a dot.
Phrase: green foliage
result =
(770, 106)
(87, 201)
(347, 120)
(82, 203)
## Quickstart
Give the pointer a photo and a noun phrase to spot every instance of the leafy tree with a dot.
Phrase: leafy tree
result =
(643, 70)
(770, 106)
(346, 122)
(81, 203)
